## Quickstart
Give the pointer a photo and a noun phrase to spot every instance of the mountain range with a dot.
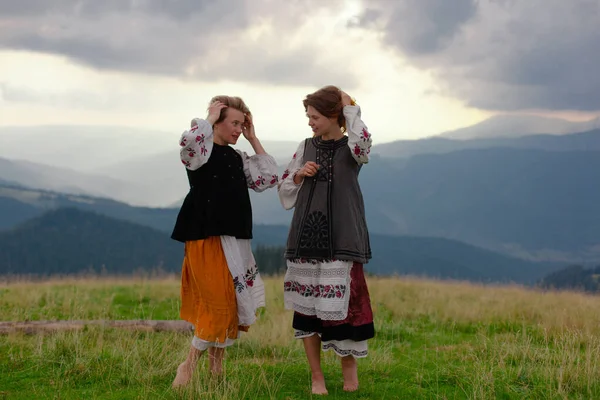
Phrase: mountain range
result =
(506, 125)
(532, 196)
(579, 141)
(137, 157)
(70, 240)
(81, 148)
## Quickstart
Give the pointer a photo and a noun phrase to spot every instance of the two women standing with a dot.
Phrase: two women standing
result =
(327, 246)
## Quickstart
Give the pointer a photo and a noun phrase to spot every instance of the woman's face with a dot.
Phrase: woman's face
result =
(229, 130)
(320, 124)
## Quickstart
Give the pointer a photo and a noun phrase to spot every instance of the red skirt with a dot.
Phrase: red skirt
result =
(358, 324)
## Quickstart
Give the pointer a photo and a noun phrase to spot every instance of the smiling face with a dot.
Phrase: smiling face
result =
(320, 124)
(229, 130)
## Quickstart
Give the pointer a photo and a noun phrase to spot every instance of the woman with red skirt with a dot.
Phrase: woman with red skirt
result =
(328, 242)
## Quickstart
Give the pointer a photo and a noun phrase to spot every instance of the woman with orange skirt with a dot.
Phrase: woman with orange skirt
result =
(221, 288)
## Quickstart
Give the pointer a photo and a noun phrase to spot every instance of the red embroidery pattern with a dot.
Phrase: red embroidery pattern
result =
(248, 279)
(323, 291)
(365, 135)
(286, 173)
(260, 181)
(250, 276)
(358, 151)
(193, 150)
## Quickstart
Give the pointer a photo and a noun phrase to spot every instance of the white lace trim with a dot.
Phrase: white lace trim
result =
(311, 274)
(322, 315)
(344, 348)
(202, 345)
(303, 334)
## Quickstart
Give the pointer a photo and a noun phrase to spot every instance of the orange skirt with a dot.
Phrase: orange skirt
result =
(208, 299)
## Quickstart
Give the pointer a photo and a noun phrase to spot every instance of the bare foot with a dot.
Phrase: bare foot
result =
(184, 375)
(350, 372)
(318, 385)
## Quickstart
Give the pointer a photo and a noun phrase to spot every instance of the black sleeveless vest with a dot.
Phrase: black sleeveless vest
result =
(218, 202)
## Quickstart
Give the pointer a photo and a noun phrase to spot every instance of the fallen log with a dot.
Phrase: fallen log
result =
(34, 327)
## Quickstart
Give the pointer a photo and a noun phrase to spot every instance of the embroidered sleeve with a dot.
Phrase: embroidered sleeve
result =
(260, 171)
(196, 144)
(287, 189)
(359, 138)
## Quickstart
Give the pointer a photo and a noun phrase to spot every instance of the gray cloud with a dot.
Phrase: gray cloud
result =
(502, 54)
(419, 26)
(205, 40)
(29, 7)
(180, 9)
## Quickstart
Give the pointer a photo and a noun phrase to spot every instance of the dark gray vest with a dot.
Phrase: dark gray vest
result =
(329, 216)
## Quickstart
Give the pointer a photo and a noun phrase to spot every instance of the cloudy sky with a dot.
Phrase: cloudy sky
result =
(417, 67)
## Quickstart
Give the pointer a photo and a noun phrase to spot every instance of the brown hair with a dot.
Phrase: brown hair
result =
(231, 102)
(328, 102)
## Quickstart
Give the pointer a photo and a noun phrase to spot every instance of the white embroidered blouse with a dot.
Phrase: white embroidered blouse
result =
(196, 147)
(359, 142)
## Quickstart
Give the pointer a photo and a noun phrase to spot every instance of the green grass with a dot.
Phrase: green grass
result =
(434, 340)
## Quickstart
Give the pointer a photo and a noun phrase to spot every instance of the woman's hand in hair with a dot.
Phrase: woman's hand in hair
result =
(248, 128)
(214, 112)
(346, 99)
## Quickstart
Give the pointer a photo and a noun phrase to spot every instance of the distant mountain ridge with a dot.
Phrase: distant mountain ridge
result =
(574, 277)
(581, 141)
(69, 240)
(520, 125)
(64, 180)
(35, 202)
(79, 147)
(511, 200)
(144, 178)
(534, 204)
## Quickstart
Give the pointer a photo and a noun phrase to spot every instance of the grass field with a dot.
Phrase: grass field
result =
(434, 340)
